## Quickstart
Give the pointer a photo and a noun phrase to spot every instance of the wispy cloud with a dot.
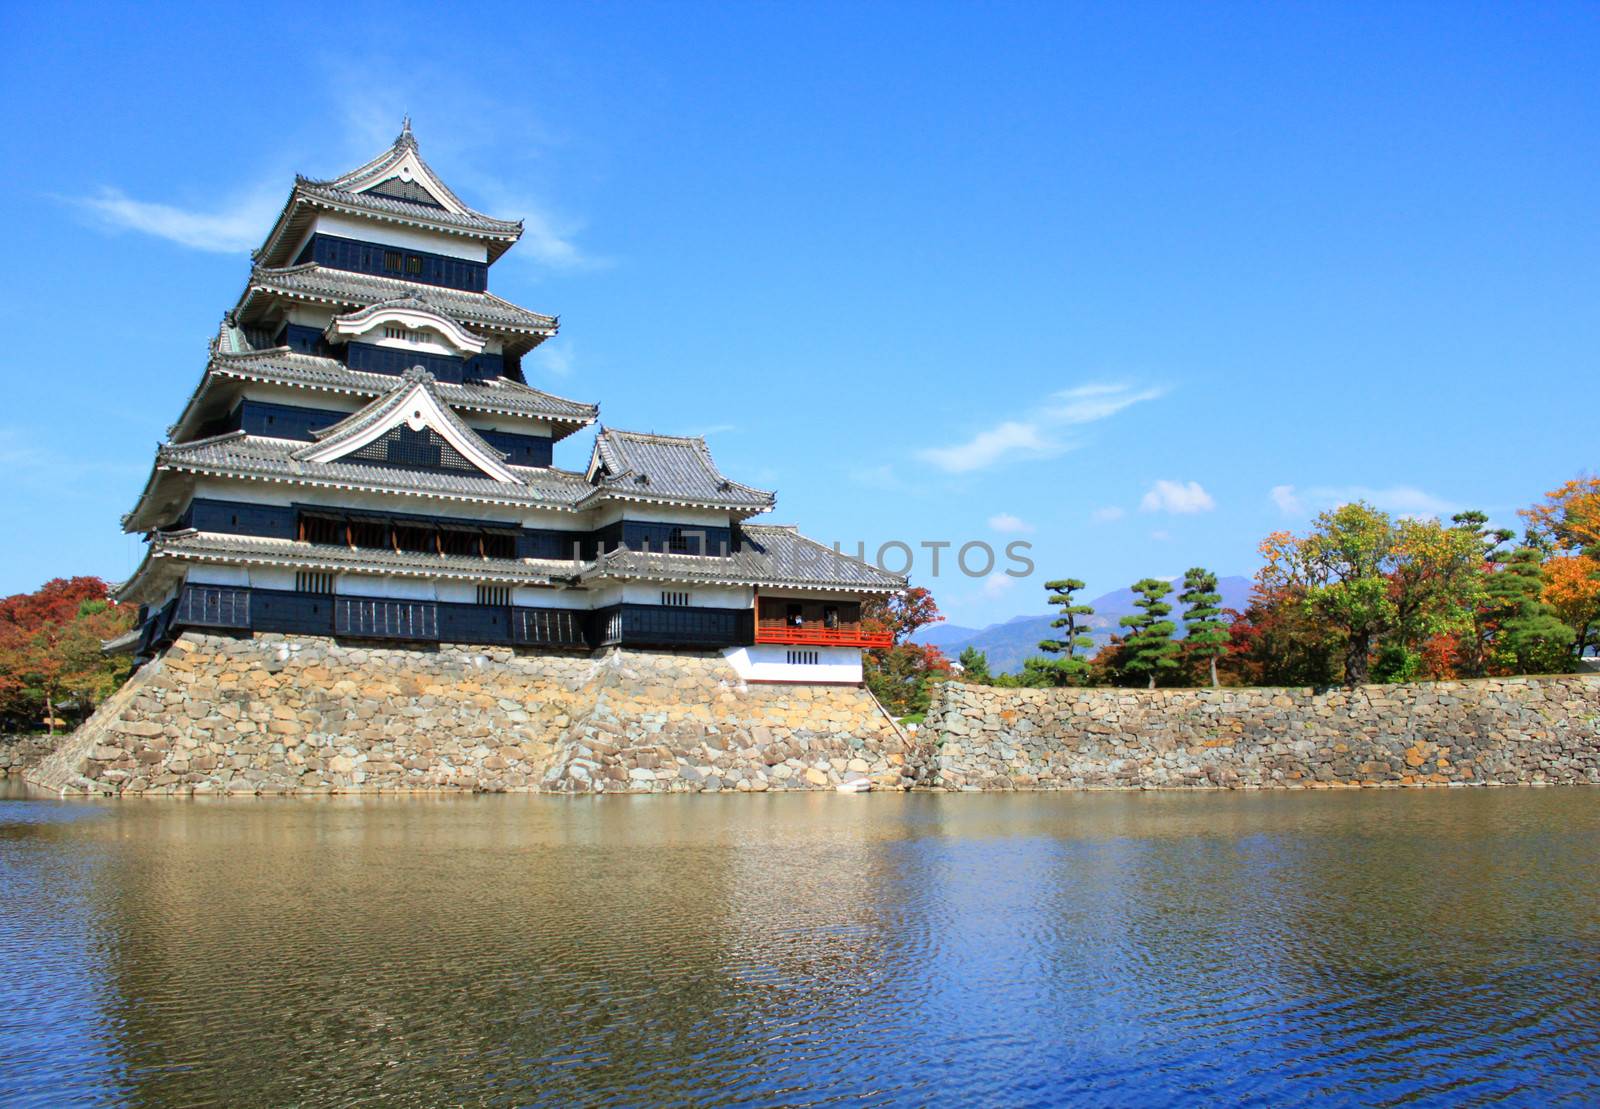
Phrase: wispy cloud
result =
(1108, 513)
(1041, 435)
(1182, 497)
(1007, 524)
(554, 357)
(1402, 500)
(237, 226)
(484, 145)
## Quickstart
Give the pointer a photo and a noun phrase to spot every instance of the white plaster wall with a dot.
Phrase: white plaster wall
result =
(770, 663)
(613, 511)
(218, 575)
(372, 585)
(535, 597)
(266, 577)
(700, 596)
(372, 231)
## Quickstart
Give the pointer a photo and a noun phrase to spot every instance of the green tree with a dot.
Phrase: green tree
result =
(1150, 648)
(1349, 554)
(1205, 632)
(1072, 666)
(975, 667)
(1473, 654)
(1532, 637)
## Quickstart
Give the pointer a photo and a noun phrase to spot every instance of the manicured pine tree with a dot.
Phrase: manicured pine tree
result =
(1072, 666)
(975, 667)
(1530, 631)
(1205, 633)
(1150, 647)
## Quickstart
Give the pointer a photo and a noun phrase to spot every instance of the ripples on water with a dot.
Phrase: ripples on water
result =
(1130, 949)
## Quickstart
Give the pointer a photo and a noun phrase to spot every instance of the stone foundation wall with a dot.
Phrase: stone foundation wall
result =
(295, 714)
(1489, 731)
(21, 752)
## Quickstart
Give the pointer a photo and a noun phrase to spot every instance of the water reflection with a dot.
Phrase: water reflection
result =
(1126, 948)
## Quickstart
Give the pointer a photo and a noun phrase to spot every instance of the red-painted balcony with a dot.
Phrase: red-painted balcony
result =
(818, 635)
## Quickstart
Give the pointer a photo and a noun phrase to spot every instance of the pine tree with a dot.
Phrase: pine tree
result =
(1531, 634)
(1072, 667)
(975, 666)
(1150, 647)
(1205, 633)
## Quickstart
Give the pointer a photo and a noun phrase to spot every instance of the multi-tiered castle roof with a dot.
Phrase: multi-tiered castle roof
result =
(363, 456)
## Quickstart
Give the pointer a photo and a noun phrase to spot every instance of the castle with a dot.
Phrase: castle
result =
(363, 459)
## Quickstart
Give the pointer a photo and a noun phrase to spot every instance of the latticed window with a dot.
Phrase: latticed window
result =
(418, 450)
(677, 541)
(392, 332)
(677, 600)
(804, 658)
(391, 261)
(322, 529)
(313, 581)
(494, 594)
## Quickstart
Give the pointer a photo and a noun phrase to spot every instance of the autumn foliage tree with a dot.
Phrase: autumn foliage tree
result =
(900, 675)
(50, 657)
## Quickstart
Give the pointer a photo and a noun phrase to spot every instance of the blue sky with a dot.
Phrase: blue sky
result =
(1137, 286)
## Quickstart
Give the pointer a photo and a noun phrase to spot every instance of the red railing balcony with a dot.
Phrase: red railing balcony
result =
(816, 635)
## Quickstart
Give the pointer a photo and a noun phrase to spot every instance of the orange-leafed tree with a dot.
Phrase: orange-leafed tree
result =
(1568, 519)
(900, 676)
(1572, 588)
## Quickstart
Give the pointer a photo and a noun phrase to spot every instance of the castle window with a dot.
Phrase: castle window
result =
(677, 540)
(494, 594)
(413, 264)
(676, 600)
(313, 581)
(804, 658)
(391, 332)
(391, 261)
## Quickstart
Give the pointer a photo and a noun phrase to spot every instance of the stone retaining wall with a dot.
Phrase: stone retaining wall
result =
(1489, 731)
(296, 714)
(20, 752)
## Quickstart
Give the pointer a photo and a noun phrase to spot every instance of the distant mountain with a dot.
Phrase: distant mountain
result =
(1006, 644)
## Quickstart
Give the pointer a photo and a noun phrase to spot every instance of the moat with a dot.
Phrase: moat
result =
(1379, 946)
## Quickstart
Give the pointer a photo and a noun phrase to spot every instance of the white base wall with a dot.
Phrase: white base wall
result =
(769, 662)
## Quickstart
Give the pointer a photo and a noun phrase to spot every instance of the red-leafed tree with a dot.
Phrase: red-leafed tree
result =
(900, 675)
(50, 657)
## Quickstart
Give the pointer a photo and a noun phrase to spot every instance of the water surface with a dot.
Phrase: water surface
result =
(1437, 947)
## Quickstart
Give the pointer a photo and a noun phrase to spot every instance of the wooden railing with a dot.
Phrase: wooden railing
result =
(775, 631)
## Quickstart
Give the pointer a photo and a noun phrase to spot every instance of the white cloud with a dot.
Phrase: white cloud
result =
(1034, 437)
(1007, 524)
(1161, 536)
(1108, 513)
(1184, 498)
(1287, 501)
(988, 447)
(236, 227)
(997, 585)
(554, 360)
(1401, 500)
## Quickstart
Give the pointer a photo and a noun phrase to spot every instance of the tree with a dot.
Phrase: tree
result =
(1532, 639)
(1348, 555)
(899, 675)
(1277, 640)
(1472, 654)
(1150, 647)
(1205, 633)
(1569, 518)
(1072, 667)
(975, 667)
(50, 657)
(1572, 588)
(1436, 579)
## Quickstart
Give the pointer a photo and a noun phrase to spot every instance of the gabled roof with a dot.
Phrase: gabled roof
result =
(414, 403)
(411, 310)
(316, 284)
(768, 555)
(635, 465)
(395, 187)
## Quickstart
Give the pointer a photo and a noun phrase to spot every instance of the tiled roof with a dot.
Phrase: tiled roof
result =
(282, 366)
(309, 281)
(669, 468)
(768, 555)
(237, 454)
(257, 550)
